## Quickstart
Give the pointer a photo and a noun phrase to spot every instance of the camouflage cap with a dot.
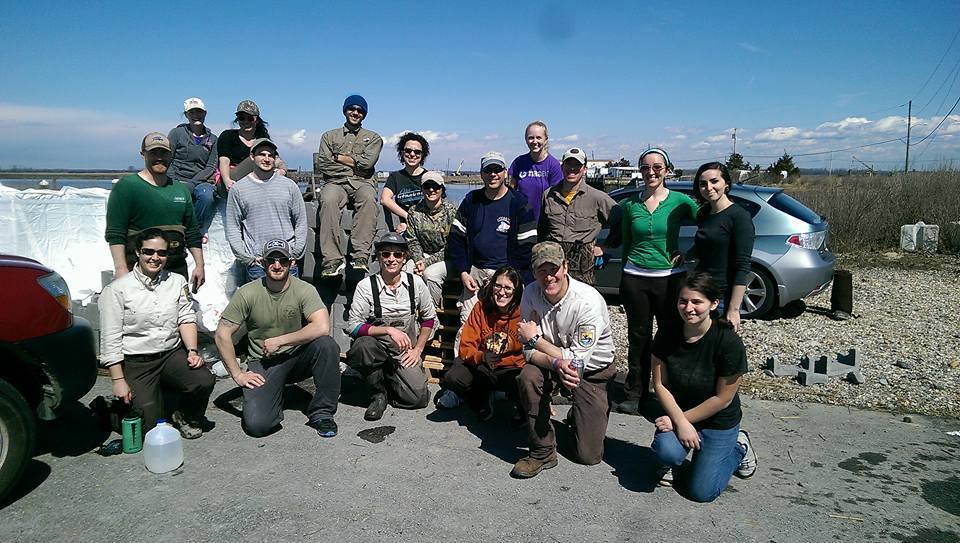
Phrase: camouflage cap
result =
(249, 107)
(154, 140)
(546, 252)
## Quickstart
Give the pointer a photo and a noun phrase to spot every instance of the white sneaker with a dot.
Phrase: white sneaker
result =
(219, 370)
(665, 476)
(448, 399)
(748, 466)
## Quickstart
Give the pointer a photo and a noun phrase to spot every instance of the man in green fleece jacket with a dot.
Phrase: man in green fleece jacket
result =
(150, 199)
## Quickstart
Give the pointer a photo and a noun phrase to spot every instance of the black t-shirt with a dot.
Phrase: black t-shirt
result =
(723, 243)
(406, 191)
(231, 146)
(692, 370)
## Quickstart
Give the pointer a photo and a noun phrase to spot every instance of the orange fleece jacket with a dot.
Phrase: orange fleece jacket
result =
(491, 332)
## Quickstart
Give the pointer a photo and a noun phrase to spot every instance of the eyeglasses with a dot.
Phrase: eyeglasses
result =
(492, 170)
(395, 254)
(412, 151)
(271, 260)
(150, 252)
(355, 109)
(245, 117)
(655, 167)
(505, 288)
(431, 186)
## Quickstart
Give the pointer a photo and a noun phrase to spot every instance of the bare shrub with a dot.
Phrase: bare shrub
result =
(866, 212)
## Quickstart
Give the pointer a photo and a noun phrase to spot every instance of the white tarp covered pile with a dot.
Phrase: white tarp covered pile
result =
(64, 230)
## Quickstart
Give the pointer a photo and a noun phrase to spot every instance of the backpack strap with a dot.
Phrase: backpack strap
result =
(377, 308)
(412, 294)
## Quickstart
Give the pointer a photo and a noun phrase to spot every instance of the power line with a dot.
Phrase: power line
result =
(954, 72)
(938, 64)
(830, 151)
(938, 124)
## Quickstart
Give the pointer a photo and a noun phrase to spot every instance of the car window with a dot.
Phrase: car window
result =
(752, 207)
(788, 205)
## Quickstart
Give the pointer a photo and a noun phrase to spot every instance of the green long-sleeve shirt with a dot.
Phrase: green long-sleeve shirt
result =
(650, 238)
(136, 205)
(363, 146)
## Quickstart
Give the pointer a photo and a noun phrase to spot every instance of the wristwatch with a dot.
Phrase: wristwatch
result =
(335, 155)
(193, 351)
(532, 342)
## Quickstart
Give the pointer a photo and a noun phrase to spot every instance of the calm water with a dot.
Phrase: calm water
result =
(455, 193)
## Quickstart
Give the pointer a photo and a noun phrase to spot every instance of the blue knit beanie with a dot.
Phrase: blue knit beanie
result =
(355, 100)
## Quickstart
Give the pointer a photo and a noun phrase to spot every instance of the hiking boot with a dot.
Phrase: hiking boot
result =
(188, 430)
(378, 404)
(324, 427)
(333, 271)
(359, 265)
(748, 466)
(446, 399)
(665, 476)
(529, 467)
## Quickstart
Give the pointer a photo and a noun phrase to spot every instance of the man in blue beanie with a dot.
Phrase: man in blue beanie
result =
(346, 161)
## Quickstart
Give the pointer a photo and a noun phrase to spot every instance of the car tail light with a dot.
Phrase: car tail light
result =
(807, 240)
(57, 287)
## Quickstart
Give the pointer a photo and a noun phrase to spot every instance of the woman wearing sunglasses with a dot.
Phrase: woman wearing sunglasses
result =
(402, 189)
(428, 226)
(233, 146)
(724, 239)
(652, 267)
(148, 339)
(490, 354)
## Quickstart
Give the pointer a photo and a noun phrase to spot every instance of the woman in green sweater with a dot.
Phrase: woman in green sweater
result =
(652, 267)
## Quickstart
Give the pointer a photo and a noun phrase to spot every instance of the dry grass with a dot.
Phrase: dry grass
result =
(866, 212)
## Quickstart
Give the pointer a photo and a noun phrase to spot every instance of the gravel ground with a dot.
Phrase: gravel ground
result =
(906, 311)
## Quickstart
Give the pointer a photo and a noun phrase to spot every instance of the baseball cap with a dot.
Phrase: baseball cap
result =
(491, 158)
(249, 107)
(432, 175)
(575, 153)
(276, 246)
(262, 141)
(155, 140)
(546, 252)
(193, 103)
(392, 238)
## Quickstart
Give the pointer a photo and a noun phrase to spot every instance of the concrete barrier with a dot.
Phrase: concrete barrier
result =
(919, 237)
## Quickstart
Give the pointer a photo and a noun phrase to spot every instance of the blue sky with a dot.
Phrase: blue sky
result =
(81, 85)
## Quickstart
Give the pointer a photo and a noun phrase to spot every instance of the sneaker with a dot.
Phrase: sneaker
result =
(748, 466)
(446, 399)
(188, 430)
(333, 272)
(378, 404)
(529, 467)
(358, 265)
(665, 476)
(324, 427)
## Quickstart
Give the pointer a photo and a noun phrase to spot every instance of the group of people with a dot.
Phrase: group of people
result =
(525, 247)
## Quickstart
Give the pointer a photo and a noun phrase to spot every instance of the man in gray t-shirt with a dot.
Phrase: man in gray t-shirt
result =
(263, 206)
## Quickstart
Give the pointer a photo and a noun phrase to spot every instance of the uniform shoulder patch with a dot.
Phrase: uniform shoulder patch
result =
(586, 335)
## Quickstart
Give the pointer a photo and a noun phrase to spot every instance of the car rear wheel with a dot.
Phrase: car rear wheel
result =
(17, 434)
(760, 295)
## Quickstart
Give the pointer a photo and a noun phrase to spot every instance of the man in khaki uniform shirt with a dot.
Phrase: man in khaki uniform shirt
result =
(346, 160)
(573, 213)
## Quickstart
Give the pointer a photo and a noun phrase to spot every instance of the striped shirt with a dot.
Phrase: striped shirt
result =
(259, 211)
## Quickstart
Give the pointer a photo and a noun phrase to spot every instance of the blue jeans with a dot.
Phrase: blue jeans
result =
(256, 271)
(203, 205)
(712, 466)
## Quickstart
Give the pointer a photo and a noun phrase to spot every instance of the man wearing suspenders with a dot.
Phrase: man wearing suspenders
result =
(391, 319)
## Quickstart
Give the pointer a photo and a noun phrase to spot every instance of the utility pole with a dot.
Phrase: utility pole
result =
(734, 141)
(906, 162)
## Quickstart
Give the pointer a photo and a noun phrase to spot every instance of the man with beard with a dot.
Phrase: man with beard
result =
(563, 321)
(289, 331)
(150, 199)
(262, 206)
(391, 319)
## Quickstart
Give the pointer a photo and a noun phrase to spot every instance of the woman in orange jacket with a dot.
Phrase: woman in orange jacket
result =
(490, 351)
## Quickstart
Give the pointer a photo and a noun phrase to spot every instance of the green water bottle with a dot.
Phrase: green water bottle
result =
(132, 431)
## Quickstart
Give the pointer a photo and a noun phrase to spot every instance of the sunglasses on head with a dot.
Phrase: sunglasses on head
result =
(493, 169)
(411, 151)
(271, 260)
(395, 254)
(150, 252)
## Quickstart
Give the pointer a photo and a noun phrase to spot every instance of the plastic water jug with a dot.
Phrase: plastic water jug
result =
(162, 448)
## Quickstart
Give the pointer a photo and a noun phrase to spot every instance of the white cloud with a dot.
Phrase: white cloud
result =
(717, 138)
(893, 122)
(849, 122)
(491, 137)
(430, 135)
(571, 137)
(298, 138)
(752, 48)
(679, 137)
(779, 133)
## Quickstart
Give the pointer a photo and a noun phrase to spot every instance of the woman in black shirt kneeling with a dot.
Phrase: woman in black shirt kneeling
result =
(696, 374)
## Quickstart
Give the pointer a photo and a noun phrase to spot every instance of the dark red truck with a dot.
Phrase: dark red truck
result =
(47, 357)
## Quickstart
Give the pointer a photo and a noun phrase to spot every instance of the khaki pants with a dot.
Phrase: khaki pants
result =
(406, 388)
(334, 196)
(590, 411)
(147, 373)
